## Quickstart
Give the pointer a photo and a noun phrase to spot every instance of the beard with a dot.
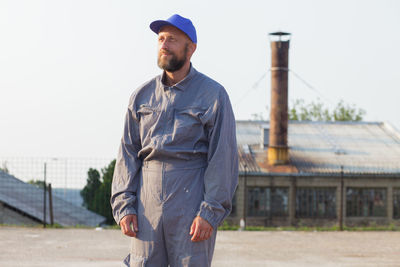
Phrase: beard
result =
(174, 63)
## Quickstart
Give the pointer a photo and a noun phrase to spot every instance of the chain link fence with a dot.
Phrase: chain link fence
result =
(25, 200)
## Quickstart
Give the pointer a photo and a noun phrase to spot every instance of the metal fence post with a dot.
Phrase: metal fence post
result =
(341, 199)
(51, 205)
(245, 197)
(44, 196)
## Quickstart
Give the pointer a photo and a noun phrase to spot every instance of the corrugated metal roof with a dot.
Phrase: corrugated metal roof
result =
(323, 147)
(28, 199)
(247, 161)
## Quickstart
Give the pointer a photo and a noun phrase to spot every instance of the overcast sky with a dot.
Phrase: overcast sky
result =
(67, 68)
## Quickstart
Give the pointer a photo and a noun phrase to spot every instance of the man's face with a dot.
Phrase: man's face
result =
(173, 49)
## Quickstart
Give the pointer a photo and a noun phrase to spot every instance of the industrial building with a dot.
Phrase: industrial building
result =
(295, 173)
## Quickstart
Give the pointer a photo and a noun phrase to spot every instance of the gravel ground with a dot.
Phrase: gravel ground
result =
(88, 247)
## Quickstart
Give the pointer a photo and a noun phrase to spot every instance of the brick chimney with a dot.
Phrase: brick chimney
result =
(278, 150)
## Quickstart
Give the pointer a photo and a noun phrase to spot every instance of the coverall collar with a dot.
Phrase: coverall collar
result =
(182, 85)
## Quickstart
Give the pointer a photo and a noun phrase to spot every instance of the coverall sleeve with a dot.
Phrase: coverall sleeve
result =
(221, 174)
(127, 169)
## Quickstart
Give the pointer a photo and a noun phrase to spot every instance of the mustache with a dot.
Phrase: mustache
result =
(165, 51)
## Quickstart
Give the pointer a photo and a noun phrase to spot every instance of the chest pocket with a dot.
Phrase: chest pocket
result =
(188, 117)
(148, 116)
(188, 123)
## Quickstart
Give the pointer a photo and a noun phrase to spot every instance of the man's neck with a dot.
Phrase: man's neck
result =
(175, 77)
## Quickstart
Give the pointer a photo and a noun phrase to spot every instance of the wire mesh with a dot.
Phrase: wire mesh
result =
(24, 200)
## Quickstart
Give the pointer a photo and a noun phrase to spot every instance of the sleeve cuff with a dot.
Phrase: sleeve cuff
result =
(130, 211)
(209, 216)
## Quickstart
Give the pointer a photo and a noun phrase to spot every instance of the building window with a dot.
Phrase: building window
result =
(315, 202)
(267, 201)
(366, 202)
(396, 203)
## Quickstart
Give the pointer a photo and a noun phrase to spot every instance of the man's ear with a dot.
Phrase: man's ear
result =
(191, 48)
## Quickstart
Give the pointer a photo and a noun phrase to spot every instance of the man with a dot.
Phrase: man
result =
(177, 166)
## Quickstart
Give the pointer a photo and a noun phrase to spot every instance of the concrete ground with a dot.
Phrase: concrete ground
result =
(88, 247)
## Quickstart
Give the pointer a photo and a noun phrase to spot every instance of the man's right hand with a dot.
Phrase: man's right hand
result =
(129, 225)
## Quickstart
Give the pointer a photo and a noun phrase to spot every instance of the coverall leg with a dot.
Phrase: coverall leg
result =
(168, 201)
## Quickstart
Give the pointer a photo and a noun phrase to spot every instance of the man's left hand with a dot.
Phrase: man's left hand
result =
(200, 229)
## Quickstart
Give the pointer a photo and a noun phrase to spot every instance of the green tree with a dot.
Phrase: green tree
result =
(4, 168)
(97, 192)
(37, 183)
(88, 193)
(345, 112)
(316, 111)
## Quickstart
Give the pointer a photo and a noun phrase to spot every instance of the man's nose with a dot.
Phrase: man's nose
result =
(164, 45)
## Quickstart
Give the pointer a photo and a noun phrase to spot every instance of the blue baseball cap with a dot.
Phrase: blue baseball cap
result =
(179, 22)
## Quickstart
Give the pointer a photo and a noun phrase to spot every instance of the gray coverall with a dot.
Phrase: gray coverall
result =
(177, 160)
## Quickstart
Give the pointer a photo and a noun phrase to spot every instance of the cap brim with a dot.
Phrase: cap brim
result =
(155, 26)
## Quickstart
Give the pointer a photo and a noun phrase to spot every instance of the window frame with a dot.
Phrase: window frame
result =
(271, 195)
(307, 207)
(364, 203)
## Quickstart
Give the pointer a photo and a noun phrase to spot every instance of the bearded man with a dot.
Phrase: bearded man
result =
(177, 166)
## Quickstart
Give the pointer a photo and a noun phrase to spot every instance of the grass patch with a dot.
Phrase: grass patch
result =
(31, 225)
(231, 227)
(58, 226)
(112, 227)
(373, 227)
